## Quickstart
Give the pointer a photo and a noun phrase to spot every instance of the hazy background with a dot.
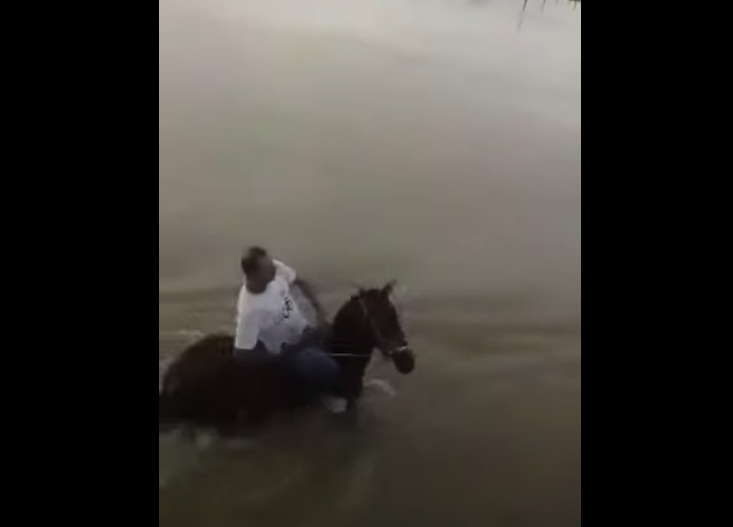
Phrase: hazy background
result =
(360, 140)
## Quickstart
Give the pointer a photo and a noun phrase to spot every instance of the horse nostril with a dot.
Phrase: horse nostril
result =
(404, 361)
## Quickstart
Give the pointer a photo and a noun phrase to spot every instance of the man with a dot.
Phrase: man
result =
(271, 326)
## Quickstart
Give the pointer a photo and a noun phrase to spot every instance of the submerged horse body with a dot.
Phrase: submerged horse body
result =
(208, 385)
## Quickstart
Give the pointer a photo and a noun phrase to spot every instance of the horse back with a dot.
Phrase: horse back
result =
(202, 360)
(210, 385)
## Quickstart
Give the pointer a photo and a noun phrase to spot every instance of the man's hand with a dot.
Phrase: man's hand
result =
(291, 349)
(315, 335)
(321, 317)
(312, 336)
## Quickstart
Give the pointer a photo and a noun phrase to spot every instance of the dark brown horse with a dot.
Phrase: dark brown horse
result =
(208, 386)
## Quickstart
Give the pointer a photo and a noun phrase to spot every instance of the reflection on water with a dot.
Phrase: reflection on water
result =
(426, 140)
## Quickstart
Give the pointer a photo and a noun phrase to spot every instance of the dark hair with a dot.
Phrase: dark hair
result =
(251, 258)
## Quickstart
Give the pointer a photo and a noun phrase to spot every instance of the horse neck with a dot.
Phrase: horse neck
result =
(350, 332)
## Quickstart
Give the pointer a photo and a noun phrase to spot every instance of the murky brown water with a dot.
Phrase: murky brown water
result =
(361, 140)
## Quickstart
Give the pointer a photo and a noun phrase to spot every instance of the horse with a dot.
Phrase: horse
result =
(209, 386)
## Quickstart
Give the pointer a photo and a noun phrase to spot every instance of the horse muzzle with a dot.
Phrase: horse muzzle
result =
(404, 360)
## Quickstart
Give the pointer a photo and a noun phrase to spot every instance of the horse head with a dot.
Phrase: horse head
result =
(371, 317)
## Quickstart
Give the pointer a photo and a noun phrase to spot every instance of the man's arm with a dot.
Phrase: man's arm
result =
(310, 295)
(246, 337)
(294, 280)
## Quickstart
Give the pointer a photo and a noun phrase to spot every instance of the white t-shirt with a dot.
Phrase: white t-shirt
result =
(272, 317)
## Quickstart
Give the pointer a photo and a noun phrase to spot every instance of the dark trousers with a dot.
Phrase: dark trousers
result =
(312, 365)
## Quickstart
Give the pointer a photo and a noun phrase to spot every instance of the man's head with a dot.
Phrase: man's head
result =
(258, 268)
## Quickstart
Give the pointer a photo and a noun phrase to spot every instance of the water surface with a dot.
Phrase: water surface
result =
(428, 140)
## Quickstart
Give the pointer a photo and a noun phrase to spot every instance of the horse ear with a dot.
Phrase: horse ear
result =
(359, 287)
(389, 288)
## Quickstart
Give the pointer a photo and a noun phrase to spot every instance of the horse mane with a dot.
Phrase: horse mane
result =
(349, 319)
(347, 322)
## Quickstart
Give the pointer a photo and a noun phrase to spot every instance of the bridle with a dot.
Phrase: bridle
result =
(381, 342)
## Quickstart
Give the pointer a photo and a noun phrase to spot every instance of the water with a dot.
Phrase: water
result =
(433, 141)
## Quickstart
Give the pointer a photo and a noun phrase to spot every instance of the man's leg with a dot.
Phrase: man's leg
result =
(318, 369)
(255, 356)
